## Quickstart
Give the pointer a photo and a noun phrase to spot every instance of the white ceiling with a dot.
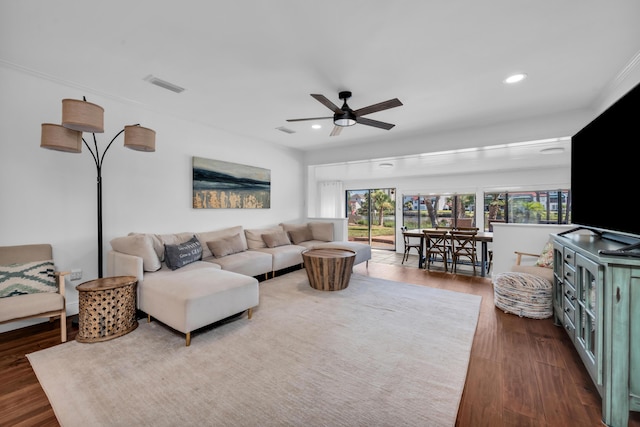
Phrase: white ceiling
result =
(247, 66)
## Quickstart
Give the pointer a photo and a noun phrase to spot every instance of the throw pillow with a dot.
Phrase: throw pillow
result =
(300, 235)
(254, 236)
(226, 246)
(546, 258)
(179, 255)
(140, 245)
(275, 239)
(27, 278)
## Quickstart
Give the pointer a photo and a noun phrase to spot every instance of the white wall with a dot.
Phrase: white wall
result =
(50, 196)
(530, 238)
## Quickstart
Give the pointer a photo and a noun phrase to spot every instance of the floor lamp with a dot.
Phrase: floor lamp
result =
(82, 116)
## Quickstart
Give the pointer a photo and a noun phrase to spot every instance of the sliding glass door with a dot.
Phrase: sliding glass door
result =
(372, 217)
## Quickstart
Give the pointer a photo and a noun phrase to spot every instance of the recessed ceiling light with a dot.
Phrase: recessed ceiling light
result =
(515, 78)
(316, 126)
(385, 165)
(552, 150)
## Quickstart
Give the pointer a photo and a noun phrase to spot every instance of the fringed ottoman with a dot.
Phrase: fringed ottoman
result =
(523, 294)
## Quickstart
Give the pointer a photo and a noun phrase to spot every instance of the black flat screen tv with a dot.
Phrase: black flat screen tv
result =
(605, 170)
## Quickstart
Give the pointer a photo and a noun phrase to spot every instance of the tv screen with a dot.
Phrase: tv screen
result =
(605, 171)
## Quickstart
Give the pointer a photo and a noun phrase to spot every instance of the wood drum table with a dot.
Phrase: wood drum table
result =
(107, 308)
(328, 269)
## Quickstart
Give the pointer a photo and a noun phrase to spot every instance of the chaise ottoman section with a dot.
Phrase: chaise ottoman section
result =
(363, 252)
(189, 299)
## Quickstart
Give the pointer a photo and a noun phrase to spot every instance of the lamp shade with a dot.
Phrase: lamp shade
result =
(56, 137)
(139, 138)
(82, 116)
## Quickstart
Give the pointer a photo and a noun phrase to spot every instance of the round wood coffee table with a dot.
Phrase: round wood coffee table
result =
(328, 269)
(107, 308)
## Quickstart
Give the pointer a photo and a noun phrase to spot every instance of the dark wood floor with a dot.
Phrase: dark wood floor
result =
(522, 372)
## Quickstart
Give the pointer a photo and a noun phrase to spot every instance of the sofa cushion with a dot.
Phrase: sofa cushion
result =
(250, 263)
(209, 236)
(276, 238)
(300, 235)
(160, 240)
(177, 256)
(226, 246)
(140, 245)
(254, 236)
(27, 278)
(321, 231)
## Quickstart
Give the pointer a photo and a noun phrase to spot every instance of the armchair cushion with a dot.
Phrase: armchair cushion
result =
(27, 278)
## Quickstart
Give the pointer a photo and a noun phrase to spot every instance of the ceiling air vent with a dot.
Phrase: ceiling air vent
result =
(163, 84)
(285, 130)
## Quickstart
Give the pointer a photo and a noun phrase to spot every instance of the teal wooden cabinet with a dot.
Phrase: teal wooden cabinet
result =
(596, 298)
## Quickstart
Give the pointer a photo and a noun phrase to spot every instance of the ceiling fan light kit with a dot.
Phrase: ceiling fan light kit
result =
(345, 116)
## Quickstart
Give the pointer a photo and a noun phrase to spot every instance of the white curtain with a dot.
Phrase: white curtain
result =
(331, 199)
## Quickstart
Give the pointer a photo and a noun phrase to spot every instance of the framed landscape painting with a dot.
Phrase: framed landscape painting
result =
(225, 185)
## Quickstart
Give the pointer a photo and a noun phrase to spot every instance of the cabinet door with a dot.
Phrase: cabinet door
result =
(557, 282)
(588, 318)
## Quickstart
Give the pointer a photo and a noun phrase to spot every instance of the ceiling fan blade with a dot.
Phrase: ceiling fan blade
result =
(310, 118)
(374, 123)
(336, 131)
(395, 102)
(325, 101)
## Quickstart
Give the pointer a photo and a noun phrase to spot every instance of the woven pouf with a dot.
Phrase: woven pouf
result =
(523, 294)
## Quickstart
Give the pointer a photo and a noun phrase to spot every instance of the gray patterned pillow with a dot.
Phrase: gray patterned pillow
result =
(27, 278)
(177, 256)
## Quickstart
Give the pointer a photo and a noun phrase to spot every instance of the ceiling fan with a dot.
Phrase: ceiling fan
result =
(345, 116)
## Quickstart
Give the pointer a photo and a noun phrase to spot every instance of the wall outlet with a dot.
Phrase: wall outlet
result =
(76, 274)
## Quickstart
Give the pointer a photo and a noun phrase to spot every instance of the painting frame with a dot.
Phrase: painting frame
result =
(219, 184)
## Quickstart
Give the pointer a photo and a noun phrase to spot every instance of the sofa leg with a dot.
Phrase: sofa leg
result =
(250, 313)
(188, 339)
(148, 318)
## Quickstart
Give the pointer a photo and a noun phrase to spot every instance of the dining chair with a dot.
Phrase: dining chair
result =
(476, 229)
(463, 245)
(436, 247)
(410, 243)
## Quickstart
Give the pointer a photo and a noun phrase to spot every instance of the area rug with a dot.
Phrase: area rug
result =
(378, 353)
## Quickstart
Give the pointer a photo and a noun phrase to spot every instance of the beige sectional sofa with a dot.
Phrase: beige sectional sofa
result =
(192, 279)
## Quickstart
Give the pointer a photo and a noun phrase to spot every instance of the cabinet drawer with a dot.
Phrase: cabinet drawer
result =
(569, 293)
(569, 274)
(569, 256)
(569, 328)
(569, 309)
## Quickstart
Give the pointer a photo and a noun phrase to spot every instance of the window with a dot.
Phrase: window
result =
(526, 207)
(433, 211)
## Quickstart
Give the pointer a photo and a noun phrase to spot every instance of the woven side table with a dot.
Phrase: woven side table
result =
(107, 308)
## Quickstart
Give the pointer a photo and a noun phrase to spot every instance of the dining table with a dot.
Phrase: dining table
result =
(484, 237)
